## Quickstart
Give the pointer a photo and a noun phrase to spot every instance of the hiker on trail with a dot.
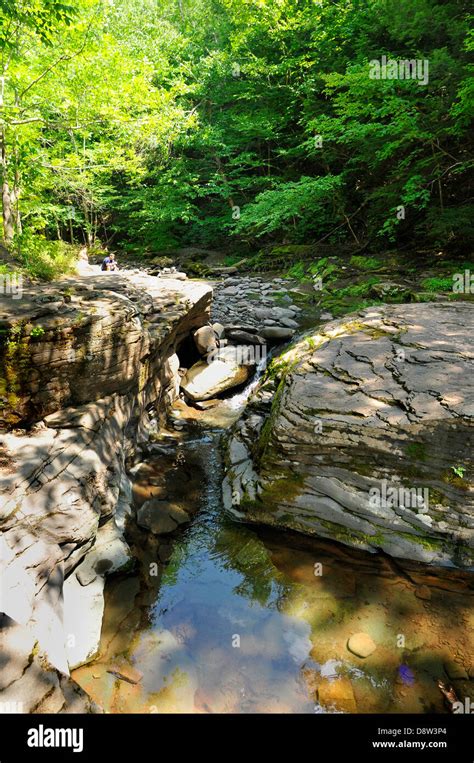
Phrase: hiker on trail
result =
(109, 262)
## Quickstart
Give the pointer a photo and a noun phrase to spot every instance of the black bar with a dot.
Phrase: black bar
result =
(447, 737)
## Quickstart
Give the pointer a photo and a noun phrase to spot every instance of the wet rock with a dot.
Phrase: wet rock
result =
(126, 672)
(161, 517)
(337, 694)
(454, 670)
(160, 524)
(361, 644)
(423, 592)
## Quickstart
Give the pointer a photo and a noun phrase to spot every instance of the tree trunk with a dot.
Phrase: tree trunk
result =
(15, 196)
(7, 213)
(8, 227)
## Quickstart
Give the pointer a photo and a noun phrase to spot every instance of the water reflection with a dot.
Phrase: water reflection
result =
(236, 620)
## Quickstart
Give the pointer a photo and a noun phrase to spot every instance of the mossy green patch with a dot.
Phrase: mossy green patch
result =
(429, 543)
(456, 480)
(345, 535)
(416, 450)
(437, 284)
(282, 489)
(365, 263)
(298, 270)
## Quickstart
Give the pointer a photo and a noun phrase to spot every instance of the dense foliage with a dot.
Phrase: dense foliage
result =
(219, 123)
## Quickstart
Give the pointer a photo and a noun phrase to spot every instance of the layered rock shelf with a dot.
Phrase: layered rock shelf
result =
(87, 363)
(362, 433)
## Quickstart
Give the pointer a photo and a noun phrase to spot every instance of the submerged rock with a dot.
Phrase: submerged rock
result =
(126, 673)
(369, 438)
(455, 671)
(161, 517)
(337, 695)
(361, 644)
(423, 592)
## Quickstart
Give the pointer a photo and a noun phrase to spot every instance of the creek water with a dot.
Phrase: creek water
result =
(222, 617)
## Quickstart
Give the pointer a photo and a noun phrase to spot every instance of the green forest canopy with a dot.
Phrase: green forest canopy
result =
(225, 123)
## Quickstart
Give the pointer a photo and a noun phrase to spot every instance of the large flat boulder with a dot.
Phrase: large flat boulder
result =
(221, 371)
(368, 439)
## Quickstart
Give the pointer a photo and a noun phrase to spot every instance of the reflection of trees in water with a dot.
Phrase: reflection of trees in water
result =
(240, 550)
(275, 569)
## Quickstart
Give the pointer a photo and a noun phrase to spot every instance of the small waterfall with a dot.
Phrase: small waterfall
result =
(238, 402)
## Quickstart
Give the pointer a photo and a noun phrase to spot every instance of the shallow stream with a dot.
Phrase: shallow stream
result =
(221, 617)
(218, 617)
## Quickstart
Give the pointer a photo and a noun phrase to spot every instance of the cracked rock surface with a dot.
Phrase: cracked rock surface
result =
(103, 353)
(365, 435)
